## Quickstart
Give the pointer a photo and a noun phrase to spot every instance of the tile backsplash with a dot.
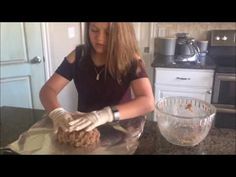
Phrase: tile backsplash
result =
(195, 29)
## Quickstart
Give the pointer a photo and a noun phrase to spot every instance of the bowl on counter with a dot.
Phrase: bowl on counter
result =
(184, 121)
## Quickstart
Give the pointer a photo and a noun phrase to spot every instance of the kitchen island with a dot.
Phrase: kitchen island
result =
(15, 121)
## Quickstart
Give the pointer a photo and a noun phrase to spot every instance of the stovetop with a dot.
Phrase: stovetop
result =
(225, 64)
(222, 50)
(226, 69)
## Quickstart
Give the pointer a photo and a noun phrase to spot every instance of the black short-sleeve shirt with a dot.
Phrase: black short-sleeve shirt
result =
(95, 94)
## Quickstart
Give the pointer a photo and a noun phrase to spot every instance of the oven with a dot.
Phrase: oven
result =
(222, 50)
(224, 98)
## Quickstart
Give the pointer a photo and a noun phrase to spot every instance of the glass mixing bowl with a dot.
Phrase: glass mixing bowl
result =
(184, 121)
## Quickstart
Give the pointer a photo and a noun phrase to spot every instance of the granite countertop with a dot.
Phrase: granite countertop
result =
(218, 141)
(206, 62)
(15, 121)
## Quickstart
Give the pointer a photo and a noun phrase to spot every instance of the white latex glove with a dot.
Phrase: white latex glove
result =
(60, 118)
(92, 120)
(77, 114)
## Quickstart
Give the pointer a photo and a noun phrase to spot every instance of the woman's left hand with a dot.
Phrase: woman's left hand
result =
(89, 121)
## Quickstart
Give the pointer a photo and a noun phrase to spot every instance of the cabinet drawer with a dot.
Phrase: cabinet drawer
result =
(184, 77)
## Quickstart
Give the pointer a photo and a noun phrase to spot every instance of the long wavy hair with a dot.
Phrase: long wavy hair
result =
(122, 48)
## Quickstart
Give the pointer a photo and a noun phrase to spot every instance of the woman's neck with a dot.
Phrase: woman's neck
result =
(98, 59)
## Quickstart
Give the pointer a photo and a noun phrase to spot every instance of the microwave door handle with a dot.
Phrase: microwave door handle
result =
(227, 78)
(226, 110)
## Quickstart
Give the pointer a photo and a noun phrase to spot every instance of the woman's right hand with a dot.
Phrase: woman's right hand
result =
(60, 118)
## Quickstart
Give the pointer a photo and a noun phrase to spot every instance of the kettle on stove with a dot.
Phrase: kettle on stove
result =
(186, 48)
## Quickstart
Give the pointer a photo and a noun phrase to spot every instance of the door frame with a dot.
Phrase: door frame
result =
(46, 50)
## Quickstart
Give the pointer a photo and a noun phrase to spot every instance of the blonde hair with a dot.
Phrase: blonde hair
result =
(122, 48)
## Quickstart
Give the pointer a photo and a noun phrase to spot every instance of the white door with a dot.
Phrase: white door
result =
(21, 64)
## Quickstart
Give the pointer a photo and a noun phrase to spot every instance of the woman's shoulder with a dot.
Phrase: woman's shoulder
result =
(138, 61)
(77, 52)
(137, 57)
(138, 66)
(71, 57)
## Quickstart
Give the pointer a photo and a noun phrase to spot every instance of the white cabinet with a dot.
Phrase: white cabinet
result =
(166, 91)
(196, 83)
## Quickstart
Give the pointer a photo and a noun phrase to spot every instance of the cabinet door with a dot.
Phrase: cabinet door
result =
(162, 91)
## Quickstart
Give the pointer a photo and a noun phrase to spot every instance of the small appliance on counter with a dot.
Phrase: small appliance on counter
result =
(186, 49)
(182, 48)
(165, 46)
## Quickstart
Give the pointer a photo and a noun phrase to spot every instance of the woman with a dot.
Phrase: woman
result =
(104, 70)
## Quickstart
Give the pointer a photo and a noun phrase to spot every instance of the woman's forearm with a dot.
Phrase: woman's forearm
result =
(48, 98)
(139, 106)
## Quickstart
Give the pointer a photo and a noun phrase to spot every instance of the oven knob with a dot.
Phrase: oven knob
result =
(217, 38)
(224, 38)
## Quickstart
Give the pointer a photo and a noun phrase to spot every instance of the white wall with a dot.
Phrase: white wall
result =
(145, 40)
(60, 44)
(145, 36)
(62, 39)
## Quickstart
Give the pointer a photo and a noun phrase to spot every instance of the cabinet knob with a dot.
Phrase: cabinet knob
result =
(217, 38)
(224, 38)
(209, 91)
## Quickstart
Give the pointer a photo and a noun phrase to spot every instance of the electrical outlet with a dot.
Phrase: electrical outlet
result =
(146, 49)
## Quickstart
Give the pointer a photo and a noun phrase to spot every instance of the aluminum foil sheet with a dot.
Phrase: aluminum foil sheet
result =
(119, 138)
